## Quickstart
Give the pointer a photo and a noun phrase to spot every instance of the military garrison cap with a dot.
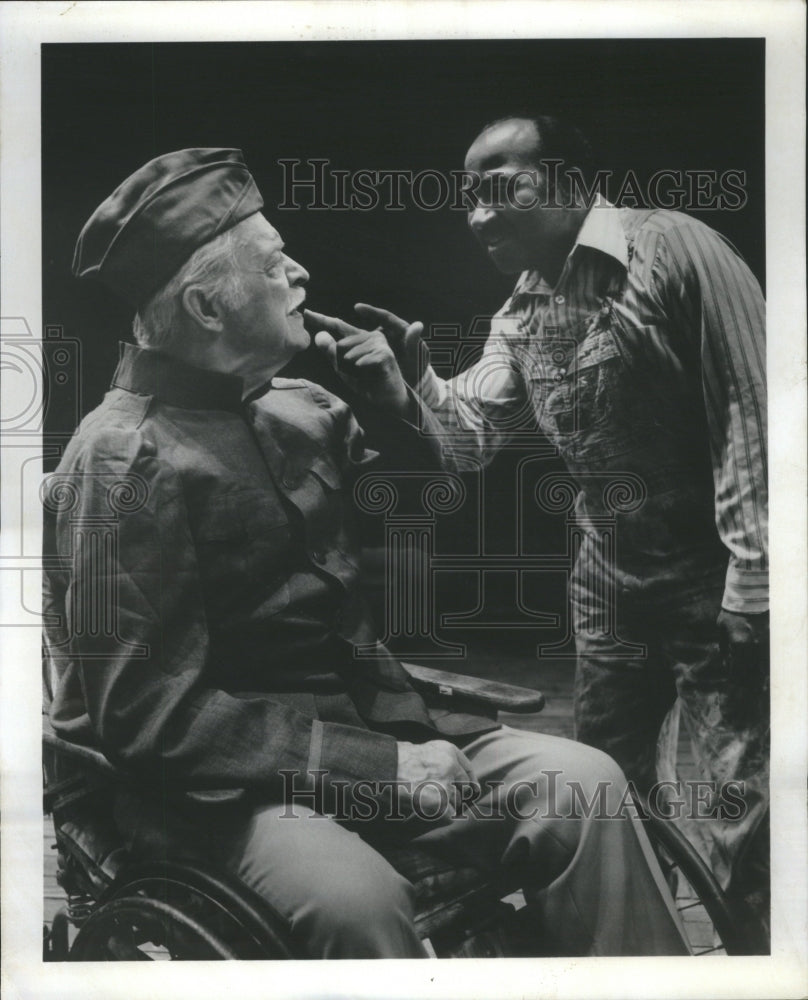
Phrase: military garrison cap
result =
(151, 224)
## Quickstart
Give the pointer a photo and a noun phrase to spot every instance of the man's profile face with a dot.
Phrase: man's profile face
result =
(268, 324)
(505, 157)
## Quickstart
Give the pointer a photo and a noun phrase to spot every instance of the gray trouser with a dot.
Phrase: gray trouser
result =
(593, 880)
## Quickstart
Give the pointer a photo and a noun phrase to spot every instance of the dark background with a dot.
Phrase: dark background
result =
(106, 109)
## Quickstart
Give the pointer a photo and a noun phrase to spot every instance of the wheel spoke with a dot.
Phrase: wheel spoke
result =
(117, 928)
(706, 914)
(689, 906)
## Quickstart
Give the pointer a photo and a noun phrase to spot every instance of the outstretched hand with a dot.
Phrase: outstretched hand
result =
(363, 359)
(405, 338)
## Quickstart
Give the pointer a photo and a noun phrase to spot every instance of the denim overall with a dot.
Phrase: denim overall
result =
(632, 431)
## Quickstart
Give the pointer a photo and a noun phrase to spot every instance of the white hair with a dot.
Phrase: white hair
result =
(214, 266)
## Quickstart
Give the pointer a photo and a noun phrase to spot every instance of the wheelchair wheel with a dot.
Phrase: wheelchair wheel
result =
(171, 912)
(712, 925)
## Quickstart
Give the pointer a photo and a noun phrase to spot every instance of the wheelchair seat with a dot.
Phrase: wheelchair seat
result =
(124, 908)
(129, 908)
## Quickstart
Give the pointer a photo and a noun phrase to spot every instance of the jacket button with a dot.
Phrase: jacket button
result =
(560, 300)
(318, 556)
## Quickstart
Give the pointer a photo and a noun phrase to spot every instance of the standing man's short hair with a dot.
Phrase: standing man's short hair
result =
(555, 140)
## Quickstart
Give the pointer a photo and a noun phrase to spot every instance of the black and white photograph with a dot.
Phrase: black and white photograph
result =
(391, 415)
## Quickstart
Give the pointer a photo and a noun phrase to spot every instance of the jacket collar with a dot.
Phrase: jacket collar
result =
(151, 373)
(601, 230)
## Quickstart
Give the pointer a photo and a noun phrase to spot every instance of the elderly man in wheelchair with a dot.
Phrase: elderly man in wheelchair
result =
(218, 695)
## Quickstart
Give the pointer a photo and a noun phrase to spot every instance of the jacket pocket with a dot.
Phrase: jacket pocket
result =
(332, 515)
(324, 468)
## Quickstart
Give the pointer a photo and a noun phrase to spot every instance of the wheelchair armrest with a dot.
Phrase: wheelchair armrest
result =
(492, 694)
(488, 693)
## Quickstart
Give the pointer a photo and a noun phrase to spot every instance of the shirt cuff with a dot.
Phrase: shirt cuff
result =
(350, 757)
(315, 747)
(429, 428)
(746, 590)
(431, 389)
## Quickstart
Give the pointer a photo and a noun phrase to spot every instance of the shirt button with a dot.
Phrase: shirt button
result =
(558, 377)
(560, 300)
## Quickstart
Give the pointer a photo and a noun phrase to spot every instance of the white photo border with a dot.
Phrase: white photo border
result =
(23, 28)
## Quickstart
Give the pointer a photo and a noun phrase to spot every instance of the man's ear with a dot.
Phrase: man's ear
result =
(203, 308)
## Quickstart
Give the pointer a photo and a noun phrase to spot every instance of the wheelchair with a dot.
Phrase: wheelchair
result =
(119, 908)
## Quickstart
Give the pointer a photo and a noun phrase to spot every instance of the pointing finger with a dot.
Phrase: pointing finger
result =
(379, 317)
(414, 331)
(325, 342)
(336, 327)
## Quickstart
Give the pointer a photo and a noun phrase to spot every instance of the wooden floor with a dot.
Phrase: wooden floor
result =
(54, 897)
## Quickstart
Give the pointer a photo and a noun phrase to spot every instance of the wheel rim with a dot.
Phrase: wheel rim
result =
(138, 928)
(712, 925)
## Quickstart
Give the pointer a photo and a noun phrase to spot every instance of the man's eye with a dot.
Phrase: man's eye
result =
(490, 191)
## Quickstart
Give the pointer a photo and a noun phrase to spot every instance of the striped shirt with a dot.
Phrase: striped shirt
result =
(699, 317)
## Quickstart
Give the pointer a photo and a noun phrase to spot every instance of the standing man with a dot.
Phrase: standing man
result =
(204, 615)
(635, 340)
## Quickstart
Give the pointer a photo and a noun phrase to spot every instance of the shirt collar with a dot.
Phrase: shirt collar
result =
(601, 230)
(151, 373)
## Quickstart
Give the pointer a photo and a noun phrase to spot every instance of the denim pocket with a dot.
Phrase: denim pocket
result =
(577, 391)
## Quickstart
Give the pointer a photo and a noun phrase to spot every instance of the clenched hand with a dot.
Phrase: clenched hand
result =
(434, 771)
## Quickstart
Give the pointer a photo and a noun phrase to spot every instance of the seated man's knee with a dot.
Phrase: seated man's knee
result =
(598, 766)
(363, 914)
(596, 785)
